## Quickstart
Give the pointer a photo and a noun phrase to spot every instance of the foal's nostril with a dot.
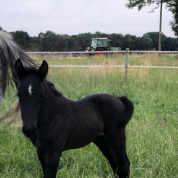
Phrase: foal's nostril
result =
(28, 131)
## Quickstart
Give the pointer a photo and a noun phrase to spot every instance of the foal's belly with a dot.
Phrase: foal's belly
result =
(83, 134)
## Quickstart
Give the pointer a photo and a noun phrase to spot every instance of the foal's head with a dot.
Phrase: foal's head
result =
(30, 93)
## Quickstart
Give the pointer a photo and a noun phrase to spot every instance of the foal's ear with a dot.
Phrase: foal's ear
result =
(43, 70)
(20, 69)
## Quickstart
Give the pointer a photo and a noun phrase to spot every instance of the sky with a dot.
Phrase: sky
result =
(81, 16)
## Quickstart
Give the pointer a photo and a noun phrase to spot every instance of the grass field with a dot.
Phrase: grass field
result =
(152, 134)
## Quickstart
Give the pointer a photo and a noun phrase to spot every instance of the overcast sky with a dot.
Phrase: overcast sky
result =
(80, 16)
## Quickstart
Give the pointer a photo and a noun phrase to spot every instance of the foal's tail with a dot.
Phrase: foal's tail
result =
(129, 110)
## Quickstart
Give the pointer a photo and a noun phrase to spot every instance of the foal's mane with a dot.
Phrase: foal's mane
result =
(50, 85)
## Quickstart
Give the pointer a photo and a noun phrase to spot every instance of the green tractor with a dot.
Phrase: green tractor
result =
(102, 44)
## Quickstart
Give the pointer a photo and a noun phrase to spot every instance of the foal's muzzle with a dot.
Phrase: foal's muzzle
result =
(28, 131)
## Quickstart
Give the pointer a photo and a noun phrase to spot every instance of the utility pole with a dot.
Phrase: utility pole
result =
(160, 33)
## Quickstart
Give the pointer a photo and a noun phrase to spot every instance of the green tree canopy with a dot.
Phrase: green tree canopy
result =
(50, 41)
(172, 6)
(146, 42)
(22, 38)
(142, 3)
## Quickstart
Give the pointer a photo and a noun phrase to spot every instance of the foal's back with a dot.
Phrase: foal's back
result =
(106, 106)
(90, 116)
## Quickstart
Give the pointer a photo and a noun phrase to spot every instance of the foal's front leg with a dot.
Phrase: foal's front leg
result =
(40, 153)
(51, 164)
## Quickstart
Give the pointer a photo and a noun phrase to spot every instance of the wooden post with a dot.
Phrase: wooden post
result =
(126, 62)
(160, 33)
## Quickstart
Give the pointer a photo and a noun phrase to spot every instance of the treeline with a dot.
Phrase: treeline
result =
(50, 41)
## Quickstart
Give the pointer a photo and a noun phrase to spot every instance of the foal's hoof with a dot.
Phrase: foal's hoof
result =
(123, 171)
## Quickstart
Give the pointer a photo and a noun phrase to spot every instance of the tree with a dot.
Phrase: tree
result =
(62, 42)
(146, 42)
(73, 44)
(154, 36)
(135, 43)
(127, 41)
(41, 37)
(172, 6)
(170, 44)
(142, 3)
(116, 39)
(50, 41)
(22, 38)
(35, 44)
(119, 41)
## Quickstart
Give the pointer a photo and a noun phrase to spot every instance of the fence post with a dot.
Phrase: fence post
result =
(126, 62)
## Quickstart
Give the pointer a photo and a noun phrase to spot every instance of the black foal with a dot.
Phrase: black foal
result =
(54, 123)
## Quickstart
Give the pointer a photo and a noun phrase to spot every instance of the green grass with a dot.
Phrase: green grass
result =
(152, 134)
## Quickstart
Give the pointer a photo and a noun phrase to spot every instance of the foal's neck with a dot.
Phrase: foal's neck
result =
(50, 98)
(46, 107)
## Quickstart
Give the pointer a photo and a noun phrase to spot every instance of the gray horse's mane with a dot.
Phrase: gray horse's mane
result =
(10, 52)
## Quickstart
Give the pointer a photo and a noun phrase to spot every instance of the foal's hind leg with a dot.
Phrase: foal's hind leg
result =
(101, 142)
(117, 141)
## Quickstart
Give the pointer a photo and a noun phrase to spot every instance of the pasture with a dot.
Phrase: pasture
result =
(152, 134)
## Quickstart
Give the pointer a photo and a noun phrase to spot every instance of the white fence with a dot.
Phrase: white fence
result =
(127, 52)
(94, 52)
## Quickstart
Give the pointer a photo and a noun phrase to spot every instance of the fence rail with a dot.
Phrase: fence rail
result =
(127, 52)
(116, 66)
(94, 52)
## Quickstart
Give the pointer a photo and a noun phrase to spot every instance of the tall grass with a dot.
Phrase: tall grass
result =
(114, 59)
(152, 134)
